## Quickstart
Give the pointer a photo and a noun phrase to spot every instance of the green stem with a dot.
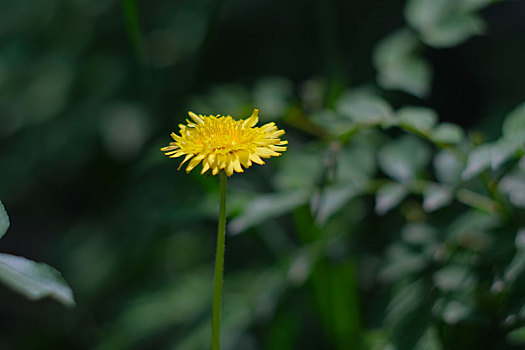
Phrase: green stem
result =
(219, 267)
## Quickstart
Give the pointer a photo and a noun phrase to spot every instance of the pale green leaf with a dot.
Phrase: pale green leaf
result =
(333, 199)
(436, 196)
(265, 207)
(355, 163)
(417, 119)
(444, 23)
(429, 341)
(34, 280)
(504, 149)
(4, 220)
(363, 107)
(389, 196)
(448, 167)
(455, 311)
(492, 155)
(454, 31)
(424, 14)
(333, 122)
(447, 133)
(514, 124)
(478, 160)
(412, 75)
(514, 186)
(454, 278)
(395, 48)
(516, 267)
(403, 158)
(299, 167)
(398, 65)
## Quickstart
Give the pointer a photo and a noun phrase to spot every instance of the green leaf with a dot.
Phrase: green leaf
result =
(436, 196)
(447, 133)
(514, 124)
(413, 75)
(334, 198)
(363, 107)
(355, 163)
(430, 340)
(444, 23)
(389, 196)
(478, 160)
(454, 278)
(4, 220)
(516, 267)
(504, 149)
(399, 67)
(417, 119)
(334, 123)
(455, 311)
(454, 31)
(493, 155)
(448, 167)
(422, 14)
(517, 336)
(299, 168)
(403, 158)
(34, 280)
(265, 207)
(514, 186)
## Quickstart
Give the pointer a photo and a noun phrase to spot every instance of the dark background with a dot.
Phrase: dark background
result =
(85, 105)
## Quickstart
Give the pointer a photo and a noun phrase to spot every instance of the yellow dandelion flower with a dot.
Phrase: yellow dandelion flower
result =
(223, 143)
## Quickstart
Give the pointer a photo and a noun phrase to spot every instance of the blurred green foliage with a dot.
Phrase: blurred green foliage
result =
(395, 220)
(33, 280)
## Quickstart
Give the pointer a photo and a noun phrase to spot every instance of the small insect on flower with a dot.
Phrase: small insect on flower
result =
(223, 143)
